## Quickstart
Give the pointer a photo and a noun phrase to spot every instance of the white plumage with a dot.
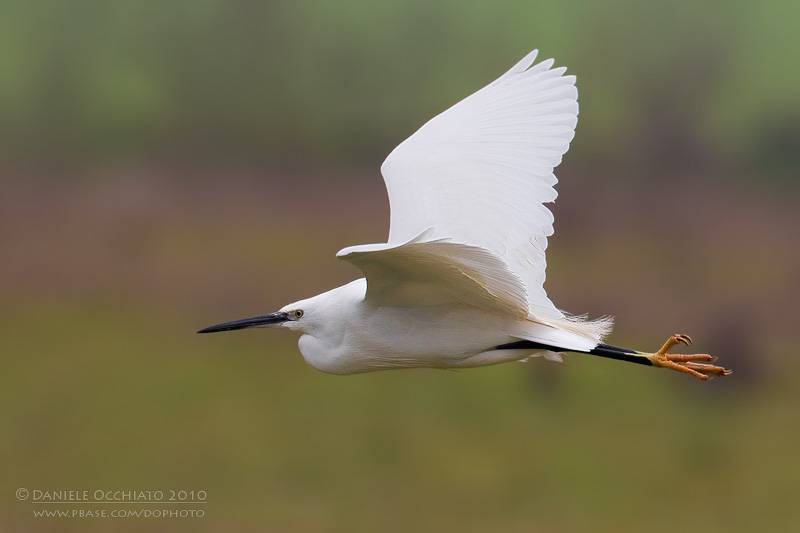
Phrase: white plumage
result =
(467, 194)
(481, 172)
(460, 281)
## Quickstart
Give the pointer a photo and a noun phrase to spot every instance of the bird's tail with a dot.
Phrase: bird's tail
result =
(573, 333)
(596, 329)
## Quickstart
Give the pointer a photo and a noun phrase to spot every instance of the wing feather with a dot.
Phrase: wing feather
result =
(420, 274)
(479, 173)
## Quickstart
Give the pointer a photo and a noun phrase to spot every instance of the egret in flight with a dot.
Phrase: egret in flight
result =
(460, 281)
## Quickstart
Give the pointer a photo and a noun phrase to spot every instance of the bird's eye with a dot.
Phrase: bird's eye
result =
(298, 313)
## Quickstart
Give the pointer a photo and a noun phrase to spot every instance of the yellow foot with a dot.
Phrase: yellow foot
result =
(686, 363)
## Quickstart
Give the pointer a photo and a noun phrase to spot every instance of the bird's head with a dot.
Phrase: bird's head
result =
(325, 321)
(323, 311)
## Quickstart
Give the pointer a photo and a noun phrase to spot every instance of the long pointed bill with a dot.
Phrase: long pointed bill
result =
(272, 319)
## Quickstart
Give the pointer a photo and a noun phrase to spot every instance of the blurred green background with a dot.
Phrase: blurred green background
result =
(165, 166)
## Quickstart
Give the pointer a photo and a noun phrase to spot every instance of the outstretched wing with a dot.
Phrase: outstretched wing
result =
(421, 274)
(479, 173)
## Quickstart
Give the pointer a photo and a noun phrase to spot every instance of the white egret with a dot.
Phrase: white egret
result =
(460, 281)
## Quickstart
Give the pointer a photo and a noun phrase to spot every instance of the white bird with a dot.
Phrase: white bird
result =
(460, 281)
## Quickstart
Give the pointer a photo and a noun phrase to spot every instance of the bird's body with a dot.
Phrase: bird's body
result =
(384, 337)
(460, 281)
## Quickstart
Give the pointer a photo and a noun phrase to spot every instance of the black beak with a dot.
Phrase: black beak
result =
(263, 321)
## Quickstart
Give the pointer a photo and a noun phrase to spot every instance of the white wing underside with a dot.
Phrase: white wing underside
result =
(467, 194)
(423, 273)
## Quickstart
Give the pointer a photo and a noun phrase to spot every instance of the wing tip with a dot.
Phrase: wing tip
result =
(520, 66)
(526, 61)
(528, 66)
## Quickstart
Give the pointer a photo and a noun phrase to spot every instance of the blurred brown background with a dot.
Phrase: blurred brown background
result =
(165, 166)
